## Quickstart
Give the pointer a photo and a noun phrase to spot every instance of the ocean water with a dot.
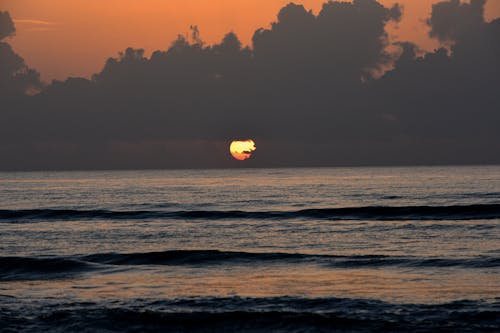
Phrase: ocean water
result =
(251, 250)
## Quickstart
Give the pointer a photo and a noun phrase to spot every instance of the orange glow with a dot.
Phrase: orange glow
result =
(62, 38)
(242, 150)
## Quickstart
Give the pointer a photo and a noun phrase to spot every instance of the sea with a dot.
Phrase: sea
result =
(385, 249)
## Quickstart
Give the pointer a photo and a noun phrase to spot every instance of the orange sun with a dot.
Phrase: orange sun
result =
(242, 149)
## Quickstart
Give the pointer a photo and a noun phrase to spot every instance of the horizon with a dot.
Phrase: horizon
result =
(243, 168)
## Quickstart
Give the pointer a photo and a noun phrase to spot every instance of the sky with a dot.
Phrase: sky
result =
(62, 38)
(331, 87)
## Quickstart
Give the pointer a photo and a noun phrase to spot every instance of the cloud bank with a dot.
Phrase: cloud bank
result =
(308, 91)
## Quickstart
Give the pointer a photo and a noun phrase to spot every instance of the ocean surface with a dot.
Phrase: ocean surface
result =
(251, 250)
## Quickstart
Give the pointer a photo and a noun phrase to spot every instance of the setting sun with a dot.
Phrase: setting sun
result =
(242, 149)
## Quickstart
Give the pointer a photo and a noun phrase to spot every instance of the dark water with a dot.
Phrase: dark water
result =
(278, 250)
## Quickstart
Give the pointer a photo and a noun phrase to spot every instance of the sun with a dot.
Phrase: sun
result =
(242, 149)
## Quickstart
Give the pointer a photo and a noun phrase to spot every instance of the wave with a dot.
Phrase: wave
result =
(267, 314)
(13, 268)
(210, 257)
(30, 268)
(387, 213)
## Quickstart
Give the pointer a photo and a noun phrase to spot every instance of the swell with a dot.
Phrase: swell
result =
(455, 212)
(29, 268)
(279, 314)
(211, 257)
(12, 268)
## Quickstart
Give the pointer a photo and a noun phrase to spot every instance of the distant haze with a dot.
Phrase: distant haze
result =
(323, 88)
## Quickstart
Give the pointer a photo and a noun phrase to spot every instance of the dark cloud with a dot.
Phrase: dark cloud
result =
(452, 20)
(342, 44)
(7, 28)
(304, 92)
(16, 78)
(449, 96)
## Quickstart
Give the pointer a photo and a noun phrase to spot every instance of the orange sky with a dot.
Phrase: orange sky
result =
(64, 38)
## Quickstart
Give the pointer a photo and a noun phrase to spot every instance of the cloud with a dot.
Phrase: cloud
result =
(33, 22)
(35, 25)
(16, 78)
(6, 25)
(344, 41)
(304, 92)
(451, 20)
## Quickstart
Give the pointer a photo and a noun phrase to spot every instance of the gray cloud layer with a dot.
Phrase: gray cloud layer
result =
(305, 92)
